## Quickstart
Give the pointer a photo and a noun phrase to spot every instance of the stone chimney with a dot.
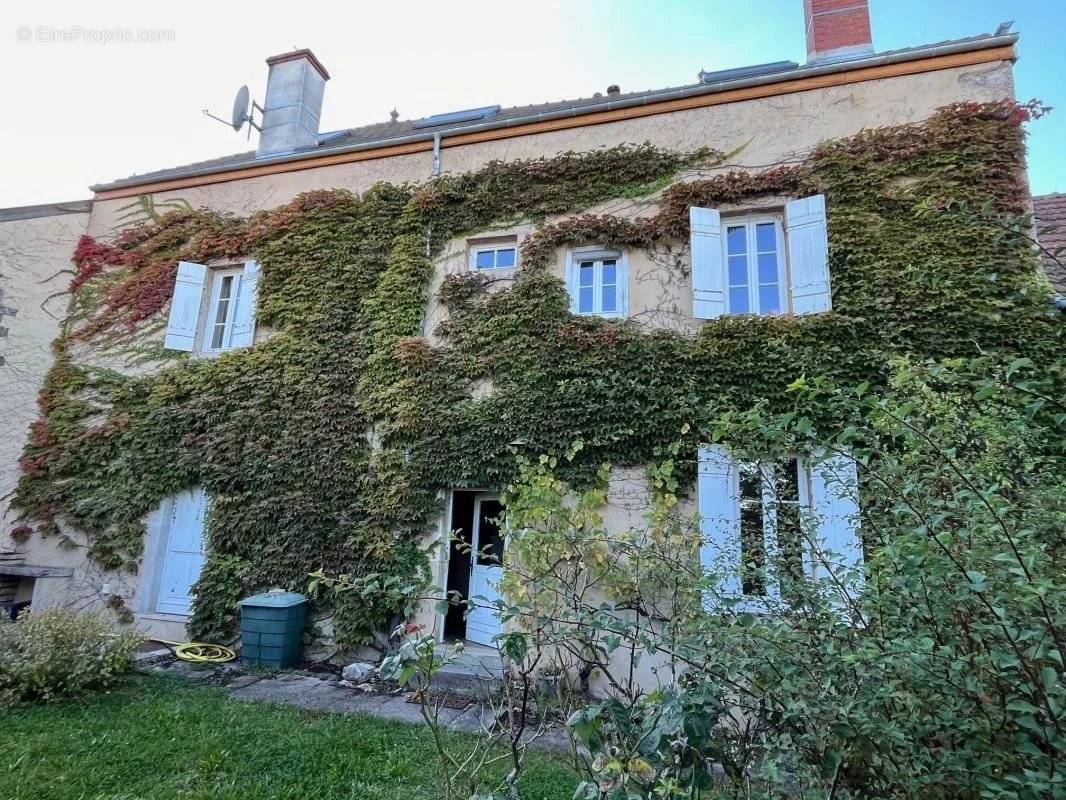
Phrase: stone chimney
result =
(293, 105)
(837, 29)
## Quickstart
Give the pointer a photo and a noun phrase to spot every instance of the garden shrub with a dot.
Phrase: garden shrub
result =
(57, 653)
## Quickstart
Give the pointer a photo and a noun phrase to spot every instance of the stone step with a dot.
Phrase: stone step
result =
(477, 671)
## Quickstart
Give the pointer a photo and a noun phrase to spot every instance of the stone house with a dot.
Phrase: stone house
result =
(762, 257)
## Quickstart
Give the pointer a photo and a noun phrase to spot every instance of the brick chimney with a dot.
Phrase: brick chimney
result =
(293, 104)
(837, 29)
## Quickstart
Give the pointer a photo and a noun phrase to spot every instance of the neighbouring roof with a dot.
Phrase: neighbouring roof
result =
(46, 210)
(1050, 212)
(384, 134)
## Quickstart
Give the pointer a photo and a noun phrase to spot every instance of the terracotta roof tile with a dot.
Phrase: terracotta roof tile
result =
(1050, 211)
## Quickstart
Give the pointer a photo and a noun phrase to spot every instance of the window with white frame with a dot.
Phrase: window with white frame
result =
(598, 283)
(765, 264)
(493, 256)
(222, 310)
(212, 310)
(767, 523)
(755, 266)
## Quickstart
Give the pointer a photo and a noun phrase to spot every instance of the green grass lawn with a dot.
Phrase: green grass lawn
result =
(157, 738)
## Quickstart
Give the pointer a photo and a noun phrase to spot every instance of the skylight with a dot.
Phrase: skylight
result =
(454, 117)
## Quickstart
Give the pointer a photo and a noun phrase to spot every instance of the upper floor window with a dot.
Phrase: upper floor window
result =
(222, 310)
(760, 265)
(598, 282)
(212, 310)
(755, 263)
(494, 257)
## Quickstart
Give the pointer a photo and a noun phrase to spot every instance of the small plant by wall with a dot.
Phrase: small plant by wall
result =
(278, 434)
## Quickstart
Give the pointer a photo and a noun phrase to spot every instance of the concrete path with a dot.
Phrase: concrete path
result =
(307, 691)
(326, 693)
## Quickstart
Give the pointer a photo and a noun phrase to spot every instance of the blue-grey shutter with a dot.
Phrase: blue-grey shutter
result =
(708, 267)
(243, 333)
(719, 504)
(185, 306)
(808, 255)
(835, 505)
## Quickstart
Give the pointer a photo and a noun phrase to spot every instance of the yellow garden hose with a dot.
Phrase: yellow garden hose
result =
(199, 652)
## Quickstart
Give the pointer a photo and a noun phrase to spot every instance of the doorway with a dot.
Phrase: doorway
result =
(475, 566)
(184, 555)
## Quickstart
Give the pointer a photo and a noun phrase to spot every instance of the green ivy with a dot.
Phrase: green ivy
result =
(280, 435)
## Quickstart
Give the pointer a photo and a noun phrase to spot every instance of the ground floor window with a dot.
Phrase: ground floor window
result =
(765, 524)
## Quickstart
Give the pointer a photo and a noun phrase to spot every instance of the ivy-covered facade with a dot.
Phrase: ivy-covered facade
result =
(388, 368)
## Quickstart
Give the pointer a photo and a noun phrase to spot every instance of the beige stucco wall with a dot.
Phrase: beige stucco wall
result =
(35, 271)
(770, 130)
(759, 133)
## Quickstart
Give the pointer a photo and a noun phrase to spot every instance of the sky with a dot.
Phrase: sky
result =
(96, 91)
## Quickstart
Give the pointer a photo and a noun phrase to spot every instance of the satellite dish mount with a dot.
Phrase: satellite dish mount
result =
(244, 109)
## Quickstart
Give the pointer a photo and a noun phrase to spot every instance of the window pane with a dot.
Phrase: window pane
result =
(490, 542)
(752, 546)
(766, 237)
(738, 300)
(223, 299)
(584, 299)
(587, 271)
(738, 271)
(789, 534)
(768, 268)
(217, 333)
(609, 271)
(486, 259)
(505, 257)
(608, 295)
(768, 300)
(736, 239)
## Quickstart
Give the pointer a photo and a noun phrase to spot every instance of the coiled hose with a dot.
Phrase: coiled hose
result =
(199, 652)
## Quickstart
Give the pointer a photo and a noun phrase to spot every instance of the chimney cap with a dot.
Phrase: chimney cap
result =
(295, 55)
(613, 90)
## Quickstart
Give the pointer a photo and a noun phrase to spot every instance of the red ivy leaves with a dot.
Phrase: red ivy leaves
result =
(90, 258)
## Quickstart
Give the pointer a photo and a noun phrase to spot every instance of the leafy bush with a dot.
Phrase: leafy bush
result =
(57, 653)
(935, 671)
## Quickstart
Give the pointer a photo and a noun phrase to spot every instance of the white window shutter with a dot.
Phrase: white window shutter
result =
(708, 266)
(571, 282)
(835, 505)
(185, 306)
(244, 314)
(808, 254)
(718, 490)
(623, 284)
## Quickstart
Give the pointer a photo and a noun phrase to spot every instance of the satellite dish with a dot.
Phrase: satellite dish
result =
(242, 112)
(240, 109)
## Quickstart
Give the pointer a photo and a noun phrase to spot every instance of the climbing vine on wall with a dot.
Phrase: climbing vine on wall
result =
(327, 445)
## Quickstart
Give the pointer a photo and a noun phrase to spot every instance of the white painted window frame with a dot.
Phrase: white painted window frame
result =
(208, 325)
(770, 504)
(711, 553)
(494, 248)
(578, 256)
(784, 295)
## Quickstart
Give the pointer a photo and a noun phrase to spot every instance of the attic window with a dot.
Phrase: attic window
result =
(493, 256)
(455, 117)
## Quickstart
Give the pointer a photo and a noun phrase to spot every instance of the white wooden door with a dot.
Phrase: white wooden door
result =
(486, 570)
(184, 557)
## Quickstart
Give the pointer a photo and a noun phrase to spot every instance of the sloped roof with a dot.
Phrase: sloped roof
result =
(383, 134)
(1050, 211)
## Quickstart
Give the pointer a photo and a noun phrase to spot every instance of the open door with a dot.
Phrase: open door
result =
(476, 566)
